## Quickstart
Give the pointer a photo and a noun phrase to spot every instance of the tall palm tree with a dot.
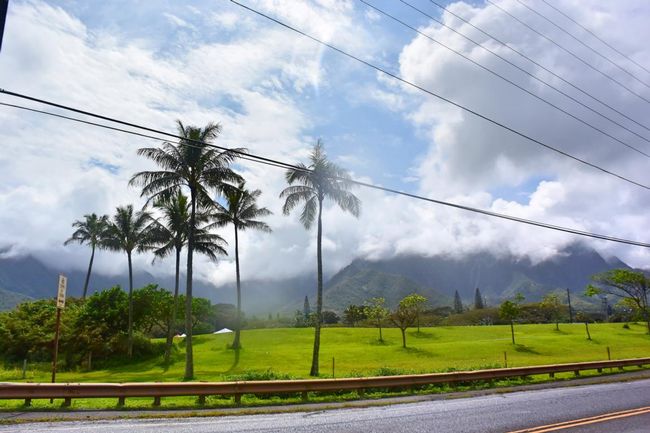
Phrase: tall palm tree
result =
(91, 231)
(130, 231)
(311, 185)
(241, 211)
(193, 165)
(170, 235)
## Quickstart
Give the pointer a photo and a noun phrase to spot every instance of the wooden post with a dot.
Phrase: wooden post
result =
(305, 396)
(67, 402)
(237, 399)
(201, 400)
(156, 401)
(55, 354)
(120, 401)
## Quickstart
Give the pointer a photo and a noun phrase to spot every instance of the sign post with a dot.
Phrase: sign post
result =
(60, 304)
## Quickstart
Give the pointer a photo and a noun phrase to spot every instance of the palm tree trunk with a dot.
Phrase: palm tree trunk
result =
(380, 337)
(130, 331)
(171, 320)
(236, 343)
(189, 355)
(587, 328)
(319, 295)
(512, 331)
(403, 337)
(90, 268)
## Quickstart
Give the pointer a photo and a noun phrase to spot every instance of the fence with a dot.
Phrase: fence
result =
(121, 391)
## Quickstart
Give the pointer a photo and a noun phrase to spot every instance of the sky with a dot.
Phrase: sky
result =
(275, 93)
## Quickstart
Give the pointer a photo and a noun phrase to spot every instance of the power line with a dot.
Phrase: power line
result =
(595, 35)
(545, 18)
(539, 65)
(571, 53)
(442, 98)
(507, 80)
(280, 164)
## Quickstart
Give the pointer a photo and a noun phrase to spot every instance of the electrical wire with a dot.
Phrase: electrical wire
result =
(442, 98)
(507, 80)
(539, 65)
(571, 53)
(595, 36)
(280, 164)
(545, 18)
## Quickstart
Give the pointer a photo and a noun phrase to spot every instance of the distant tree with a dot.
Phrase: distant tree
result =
(552, 308)
(354, 314)
(404, 316)
(478, 300)
(90, 231)
(130, 232)
(510, 311)
(330, 317)
(377, 313)
(151, 305)
(626, 284)
(312, 184)
(240, 210)
(306, 309)
(417, 303)
(225, 316)
(458, 303)
(582, 317)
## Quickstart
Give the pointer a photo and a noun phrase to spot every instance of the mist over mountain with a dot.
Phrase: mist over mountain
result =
(438, 277)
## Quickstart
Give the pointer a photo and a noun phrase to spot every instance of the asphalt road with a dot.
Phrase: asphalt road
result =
(499, 413)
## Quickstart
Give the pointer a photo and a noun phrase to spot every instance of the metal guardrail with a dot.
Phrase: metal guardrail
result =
(121, 391)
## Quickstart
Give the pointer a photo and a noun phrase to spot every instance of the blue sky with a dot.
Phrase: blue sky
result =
(153, 62)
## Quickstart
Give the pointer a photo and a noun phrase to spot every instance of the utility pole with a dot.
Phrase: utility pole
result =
(568, 295)
(4, 6)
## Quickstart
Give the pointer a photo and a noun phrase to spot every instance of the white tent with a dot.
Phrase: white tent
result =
(223, 331)
(180, 336)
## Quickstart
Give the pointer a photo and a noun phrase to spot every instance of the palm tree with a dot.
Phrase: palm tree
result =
(91, 231)
(313, 184)
(130, 231)
(242, 212)
(194, 165)
(170, 235)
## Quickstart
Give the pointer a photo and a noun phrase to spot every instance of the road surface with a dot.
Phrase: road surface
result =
(617, 407)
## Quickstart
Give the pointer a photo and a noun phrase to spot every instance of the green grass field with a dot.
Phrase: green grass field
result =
(287, 352)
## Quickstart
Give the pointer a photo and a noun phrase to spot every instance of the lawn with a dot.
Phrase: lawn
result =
(287, 352)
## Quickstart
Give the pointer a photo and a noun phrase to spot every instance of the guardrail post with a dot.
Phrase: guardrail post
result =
(305, 396)
(599, 370)
(67, 402)
(120, 401)
(361, 392)
(28, 402)
(576, 373)
(237, 399)
(551, 375)
(156, 401)
(621, 368)
(202, 400)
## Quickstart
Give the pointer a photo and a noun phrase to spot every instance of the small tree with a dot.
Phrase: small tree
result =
(330, 317)
(377, 313)
(354, 314)
(626, 284)
(306, 309)
(510, 311)
(403, 317)
(478, 300)
(417, 303)
(552, 308)
(458, 303)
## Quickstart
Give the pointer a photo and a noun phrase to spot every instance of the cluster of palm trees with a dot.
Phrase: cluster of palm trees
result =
(194, 191)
